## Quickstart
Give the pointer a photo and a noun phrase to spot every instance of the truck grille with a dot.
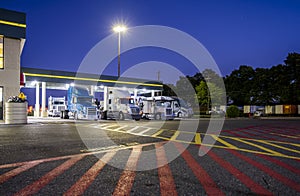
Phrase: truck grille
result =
(168, 111)
(61, 108)
(91, 111)
(135, 110)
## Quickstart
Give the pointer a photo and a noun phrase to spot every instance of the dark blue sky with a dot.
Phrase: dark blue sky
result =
(259, 33)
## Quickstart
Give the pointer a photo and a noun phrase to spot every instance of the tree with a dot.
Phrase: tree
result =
(238, 85)
(185, 90)
(209, 94)
(168, 90)
(278, 85)
(202, 94)
(293, 67)
(232, 111)
(196, 79)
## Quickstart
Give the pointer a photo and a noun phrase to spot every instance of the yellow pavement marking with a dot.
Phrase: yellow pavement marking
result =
(257, 146)
(289, 136)
(197, 138)
(239, 149)
(175, 135)
(277, 146)
(257, 140)
(224, 142)
(293, 144)
(158, 133)
(269, 154)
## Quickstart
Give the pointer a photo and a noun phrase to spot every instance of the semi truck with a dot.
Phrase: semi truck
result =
(56, 105)
(158, 108)
(81, 104)
(181, 109)
(121, 106)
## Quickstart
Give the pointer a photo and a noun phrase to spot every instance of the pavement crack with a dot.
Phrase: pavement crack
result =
(268, 185)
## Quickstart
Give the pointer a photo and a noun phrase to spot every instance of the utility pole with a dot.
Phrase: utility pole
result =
(158, 75)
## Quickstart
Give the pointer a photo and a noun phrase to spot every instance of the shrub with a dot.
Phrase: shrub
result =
(232, 111)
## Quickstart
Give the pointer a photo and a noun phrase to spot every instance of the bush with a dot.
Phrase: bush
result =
(232, 111)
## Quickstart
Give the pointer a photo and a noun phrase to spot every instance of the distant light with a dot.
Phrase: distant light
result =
(119, 28)
(101, 86)
(34, 82)
(67, 85)
(144, 89)
(72, 84)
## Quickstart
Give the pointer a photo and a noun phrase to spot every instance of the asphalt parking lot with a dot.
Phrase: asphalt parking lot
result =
(55, 156)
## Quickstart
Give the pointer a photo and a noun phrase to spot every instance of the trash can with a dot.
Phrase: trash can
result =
(16, 112)
(104, 115)
(62, 114)
(66, 116)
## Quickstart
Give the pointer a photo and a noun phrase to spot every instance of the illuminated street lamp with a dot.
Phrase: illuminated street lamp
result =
(118, 29)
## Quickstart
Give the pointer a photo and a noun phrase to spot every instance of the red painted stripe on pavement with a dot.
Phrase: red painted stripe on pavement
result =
(127, 178)
(40, 160)
(68, 156)
(40, 183)
(280, 163)
(6, 176)
(280, 130)
(280, 139)
(272, 173)
(253, 134)
(87, 179)
(236, 134)
(252, 185)
(166, 181)
(14, 165)
(274, 137)
(206, 181)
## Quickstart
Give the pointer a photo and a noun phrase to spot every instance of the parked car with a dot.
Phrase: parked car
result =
(259, 113)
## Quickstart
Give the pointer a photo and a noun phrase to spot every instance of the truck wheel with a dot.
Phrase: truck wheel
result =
(121, 116)
(157, 116)
(179, 115)
(75, 116)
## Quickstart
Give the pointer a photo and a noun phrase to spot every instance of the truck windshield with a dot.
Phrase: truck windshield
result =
(59, 103)
(126, 101)
(84, 100)
(183, 103)
(162, 103)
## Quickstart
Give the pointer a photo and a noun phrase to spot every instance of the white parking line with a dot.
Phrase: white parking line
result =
(144, 131)
(131, 130)
(117, 129)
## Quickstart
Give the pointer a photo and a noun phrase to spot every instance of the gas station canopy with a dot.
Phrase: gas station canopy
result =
(59, 79)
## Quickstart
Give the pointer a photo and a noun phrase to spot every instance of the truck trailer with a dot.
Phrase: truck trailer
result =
(121, 106)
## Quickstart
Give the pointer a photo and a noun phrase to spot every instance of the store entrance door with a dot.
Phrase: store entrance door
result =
(1, 103)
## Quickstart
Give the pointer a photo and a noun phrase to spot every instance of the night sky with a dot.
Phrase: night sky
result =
(259, 33)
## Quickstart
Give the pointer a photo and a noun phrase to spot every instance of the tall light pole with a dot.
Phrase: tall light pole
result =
(118, 29)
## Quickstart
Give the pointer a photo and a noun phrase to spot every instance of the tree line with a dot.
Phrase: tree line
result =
(279, 84)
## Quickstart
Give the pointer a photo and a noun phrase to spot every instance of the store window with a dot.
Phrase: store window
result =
(1, 53)
(1, 103)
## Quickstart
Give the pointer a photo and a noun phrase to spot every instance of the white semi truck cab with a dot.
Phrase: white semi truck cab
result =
(181, 109)
(121, 106)
(56, 105)
(158, 108)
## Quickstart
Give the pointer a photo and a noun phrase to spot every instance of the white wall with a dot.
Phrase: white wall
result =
(10, 75)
